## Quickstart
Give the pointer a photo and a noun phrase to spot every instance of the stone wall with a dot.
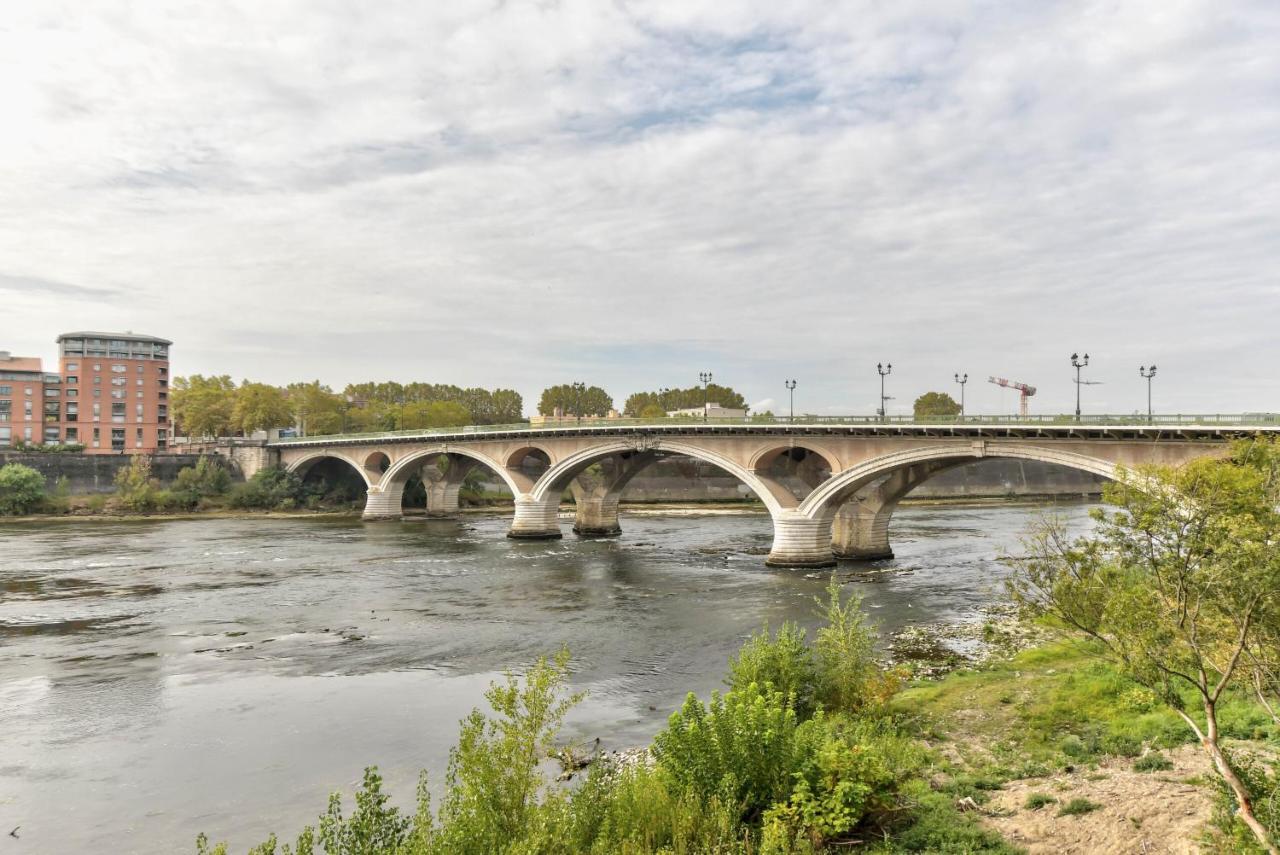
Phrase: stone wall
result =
(95, 473)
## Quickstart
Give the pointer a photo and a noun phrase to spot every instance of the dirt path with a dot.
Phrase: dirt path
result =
(1140, 812)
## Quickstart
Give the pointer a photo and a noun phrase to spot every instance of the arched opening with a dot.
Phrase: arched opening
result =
(376, 464)
(440, 481)
(859, 503)
(331, 481)
(530, 461)
(796, 467)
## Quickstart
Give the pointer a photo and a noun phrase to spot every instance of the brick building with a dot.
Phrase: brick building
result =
(113, 393)
(22, 395)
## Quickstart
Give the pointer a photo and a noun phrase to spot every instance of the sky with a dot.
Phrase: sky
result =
(518, 194)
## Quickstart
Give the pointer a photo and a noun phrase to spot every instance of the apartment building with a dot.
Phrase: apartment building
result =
(22, 395)
(112, 394)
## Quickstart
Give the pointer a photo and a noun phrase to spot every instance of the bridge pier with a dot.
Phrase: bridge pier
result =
(596, 516)
(598, 490)
(860, 530)
(383, 504)
(443, 486)
(800, 541)
(536, 520)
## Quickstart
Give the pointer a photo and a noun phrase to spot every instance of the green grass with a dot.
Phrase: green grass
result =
(1078, 807)
(1153, 762)
(1060, 705)
(1035, 801)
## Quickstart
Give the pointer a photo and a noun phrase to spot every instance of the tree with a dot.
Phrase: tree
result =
(202, 406)
(21, 489)
(1178, 586)
(433, 414)
(685, 399)
(259, 406)
(936, 404)
(316, 408)
(591, 401)
(653, 411)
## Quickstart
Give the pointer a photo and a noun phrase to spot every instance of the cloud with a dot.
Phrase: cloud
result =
(37, 287)
(525, 194)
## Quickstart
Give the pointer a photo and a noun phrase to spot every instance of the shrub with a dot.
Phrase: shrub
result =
(743, 747)
(204, 480)
(783, 662)
(1153, 762)
(1078, 807)
(848, 676)
(267, 489)
(135, 488)
(21, 489)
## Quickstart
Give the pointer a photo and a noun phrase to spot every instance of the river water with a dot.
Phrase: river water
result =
(160, 678)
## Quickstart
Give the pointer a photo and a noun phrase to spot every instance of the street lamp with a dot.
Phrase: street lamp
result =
(1143, 371)
(1077, 363)
(791, 388)
(705, 377)
(883, 370)
(664, 395)
(578, 389)
(962, 381)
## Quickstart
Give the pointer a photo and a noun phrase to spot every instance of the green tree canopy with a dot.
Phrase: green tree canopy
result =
(378, 401)
(317, 408)
(202, 406)
(259, 406)
(684, 399)
(431, 414)
(591, 401)
(21, 489)
(936, 404)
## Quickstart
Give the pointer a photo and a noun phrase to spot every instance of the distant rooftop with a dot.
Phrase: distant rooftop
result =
(127, 336)
(9, 362)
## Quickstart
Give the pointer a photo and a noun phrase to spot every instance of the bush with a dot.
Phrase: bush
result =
(21, 489)
(135, 489)
(782, 662)
(267, 489)
(848, 676)
(204, 480)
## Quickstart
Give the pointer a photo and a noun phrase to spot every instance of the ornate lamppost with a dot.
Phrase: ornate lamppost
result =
(791, 388)
(1077, 363)
(962, 381)
(884, 371)
(1148, 373)
(705, 377)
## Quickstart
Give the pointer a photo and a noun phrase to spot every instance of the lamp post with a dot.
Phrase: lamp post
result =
(962, 381)
(578, 389)
(1148, 373)
(663, 395)
(883, 370)
(791, 388)
(1078, 363)
(705, 377)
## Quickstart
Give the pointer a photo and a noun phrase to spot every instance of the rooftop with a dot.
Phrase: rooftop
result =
(20, 363)
(126, 336)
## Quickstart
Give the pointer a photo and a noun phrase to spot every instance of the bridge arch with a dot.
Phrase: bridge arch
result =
(828, 496)
(300, 466)
(763, 460)
(557, 479)
(399, 472)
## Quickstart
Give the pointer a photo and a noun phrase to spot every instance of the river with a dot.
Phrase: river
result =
(160, 678)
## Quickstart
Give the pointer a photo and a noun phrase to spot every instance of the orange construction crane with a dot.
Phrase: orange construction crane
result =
(1025, 390)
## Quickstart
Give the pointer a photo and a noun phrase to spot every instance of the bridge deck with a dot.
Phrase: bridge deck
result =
(1096, 430)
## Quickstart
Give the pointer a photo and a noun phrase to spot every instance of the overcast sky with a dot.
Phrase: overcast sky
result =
(627, 193)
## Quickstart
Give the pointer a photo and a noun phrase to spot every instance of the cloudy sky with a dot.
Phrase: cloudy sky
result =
(627, 193)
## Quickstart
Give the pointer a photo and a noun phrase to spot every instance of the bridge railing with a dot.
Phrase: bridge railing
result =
(765, 420)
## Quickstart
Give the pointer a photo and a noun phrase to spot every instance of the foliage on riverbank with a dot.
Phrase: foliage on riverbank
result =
(800, 755)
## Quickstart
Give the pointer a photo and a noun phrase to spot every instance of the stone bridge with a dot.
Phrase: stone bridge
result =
(830, 489)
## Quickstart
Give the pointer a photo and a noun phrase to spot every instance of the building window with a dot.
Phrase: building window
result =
(72, 379)
(97, 393)
(6, 390)
(117, 393)
(119, 381)
(6, 436)
(118, 368)
(97, 438)
(97, 380)
(72, 393)
(52, 435)
(53, 393)
(97, 366)
(117, 439)
(72, 366)
(26, 434)
(26, 409)
(138, 439)
(73, 434)
(139, 412)
(97, 412)
(27, 391)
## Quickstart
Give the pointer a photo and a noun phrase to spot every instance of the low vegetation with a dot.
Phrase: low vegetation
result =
(21, 489)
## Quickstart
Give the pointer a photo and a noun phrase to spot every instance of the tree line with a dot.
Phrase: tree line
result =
(216, 406)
